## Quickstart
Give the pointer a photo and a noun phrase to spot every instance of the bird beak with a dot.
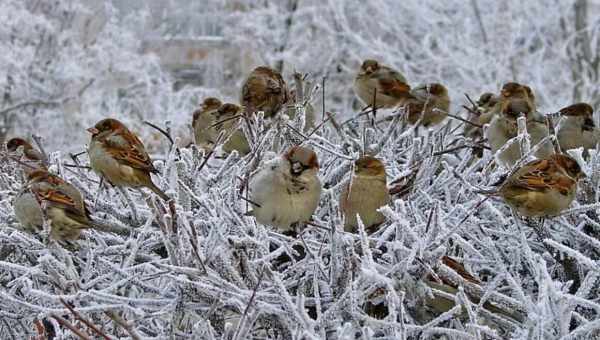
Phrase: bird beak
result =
(297, 168)
(588, 124)
(93, 131)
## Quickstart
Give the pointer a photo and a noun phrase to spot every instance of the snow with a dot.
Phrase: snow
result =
(208, 270)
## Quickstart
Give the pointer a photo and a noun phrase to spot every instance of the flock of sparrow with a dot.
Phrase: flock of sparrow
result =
(285, 191)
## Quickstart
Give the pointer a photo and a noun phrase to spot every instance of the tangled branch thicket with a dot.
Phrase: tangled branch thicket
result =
(210, 271)
(205, 269)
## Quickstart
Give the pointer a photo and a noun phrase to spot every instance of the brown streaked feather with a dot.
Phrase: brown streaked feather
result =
(394, 88)
(134, 155)
(579, 109)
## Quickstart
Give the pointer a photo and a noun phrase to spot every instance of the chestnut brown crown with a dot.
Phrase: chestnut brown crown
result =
(106, 125)
(211, 103)
(301, 158)
(579, 109)
(14, 143)
(368, 165)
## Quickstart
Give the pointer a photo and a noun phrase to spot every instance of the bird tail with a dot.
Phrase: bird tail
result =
(487, 192)
(159, 192)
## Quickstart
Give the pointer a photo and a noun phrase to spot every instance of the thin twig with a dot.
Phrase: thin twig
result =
(38, 141)
(465, 120)
(68, 325)
(162, 131)
(77, 166)
(124, 324)
(470, 100)
(84, 320)
(245, 314)
(323, 99)
(250, 201)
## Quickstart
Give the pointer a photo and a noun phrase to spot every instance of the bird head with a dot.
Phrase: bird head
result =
(301, 159)
(369, 166)
(211, 103)
(106, 125)
(582, 110)
(13, 144)
(369, 66)
(437, 89)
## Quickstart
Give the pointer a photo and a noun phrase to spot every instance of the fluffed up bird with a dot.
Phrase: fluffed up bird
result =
(205, 134)
(364, 193)
(286, 190)
(228, 119)
(264, 90)
(117, 155)
(516, 99)
(381, 83)
(430, 104)
(64, 206)
(543, 187)
(577, 127)
(25, 153)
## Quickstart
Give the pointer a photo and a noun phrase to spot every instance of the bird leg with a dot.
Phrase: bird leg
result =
(100, 187)
(129, 203)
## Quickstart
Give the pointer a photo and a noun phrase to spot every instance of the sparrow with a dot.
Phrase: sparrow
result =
(387, 86)
(202, 120)
(430, 103)
(442, 282)
(544, 187)
(364, 193)
(514, 100)
(286, 190)
(22, 150)
(117, 155)
(228, 119)
(264, 90)
(577, 127)
(481, 114)
(64, 206)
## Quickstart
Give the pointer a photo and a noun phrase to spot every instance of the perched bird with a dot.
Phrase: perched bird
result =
(264, 90)
(286, 189)
(117, 155)
(62, 203)
(481, 114)
(515, 100)
(30, 157)
(228, 117)
(543, 187)
(205, 134)
(430, 103)
(364, 193)
(388, 87)
(577, 128)
(446, 279)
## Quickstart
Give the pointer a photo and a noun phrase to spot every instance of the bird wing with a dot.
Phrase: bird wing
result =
(129, 150)
(393, 87)
(540, 175)
(53, 196)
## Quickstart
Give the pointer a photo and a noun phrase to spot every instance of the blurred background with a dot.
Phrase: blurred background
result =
(66, 64)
